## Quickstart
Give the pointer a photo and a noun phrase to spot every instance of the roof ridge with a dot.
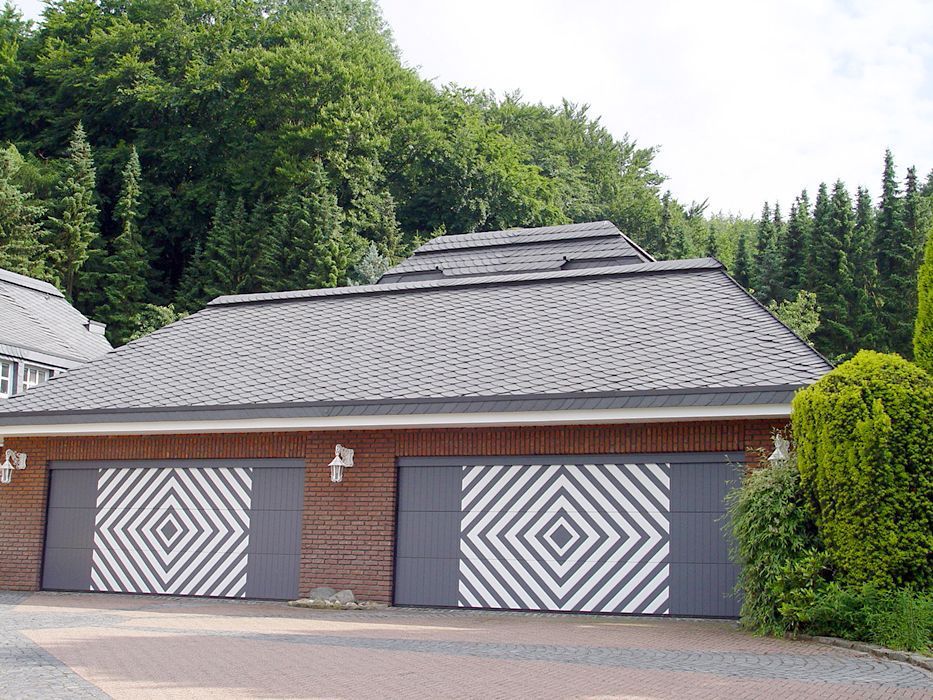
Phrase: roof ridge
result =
(660, 267)
(31, 283)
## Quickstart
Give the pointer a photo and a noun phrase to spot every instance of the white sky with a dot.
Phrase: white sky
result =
(748, 100)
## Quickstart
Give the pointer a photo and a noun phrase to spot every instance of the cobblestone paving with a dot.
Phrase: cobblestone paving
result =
(91, 645)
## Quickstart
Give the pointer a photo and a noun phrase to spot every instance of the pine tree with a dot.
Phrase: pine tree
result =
(741, 265)
(126, 268)
(309, 223)
(833, 231)
(923, 325)
(712, 247)
(896, 259)
(768, 274)
(76, 226)
(370, 267)
(230, 251)
(192, 291)
(863, 309)
(21, 249)
(795, 266)
(666, 234)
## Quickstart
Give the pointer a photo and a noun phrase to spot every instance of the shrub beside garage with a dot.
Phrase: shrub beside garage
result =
(838, 539)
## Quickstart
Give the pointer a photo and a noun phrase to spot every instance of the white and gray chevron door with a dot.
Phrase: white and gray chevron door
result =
(614, 535)
(204, 527)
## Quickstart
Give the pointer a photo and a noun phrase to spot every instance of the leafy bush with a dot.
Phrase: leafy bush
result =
(865, 455)
(899, 619)
(772, 530)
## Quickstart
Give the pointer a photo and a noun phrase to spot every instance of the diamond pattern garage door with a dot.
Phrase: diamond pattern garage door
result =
(619, 535)
(206, 528)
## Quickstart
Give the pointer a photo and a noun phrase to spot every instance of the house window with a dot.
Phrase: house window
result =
(35, 376)
(6, 379)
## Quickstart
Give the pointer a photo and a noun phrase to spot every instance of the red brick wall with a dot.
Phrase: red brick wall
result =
(348, 528)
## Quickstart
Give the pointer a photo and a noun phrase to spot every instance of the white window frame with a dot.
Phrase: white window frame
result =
(7, 378)
(28, 369)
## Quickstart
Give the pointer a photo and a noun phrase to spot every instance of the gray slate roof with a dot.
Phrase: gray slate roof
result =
(35, 317)
(649, 334)
(565, 247)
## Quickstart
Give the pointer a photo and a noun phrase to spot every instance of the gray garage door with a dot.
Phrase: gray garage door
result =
(637, 534)
(223, 528)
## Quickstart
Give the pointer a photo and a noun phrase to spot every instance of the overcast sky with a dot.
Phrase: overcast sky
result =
(747, 100)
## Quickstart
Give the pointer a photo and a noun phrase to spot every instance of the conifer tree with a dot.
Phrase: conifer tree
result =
(126, 268)
(896, 259)
(370, 267)
(230, 251)
(863, 307)
(741, 265)
(75, 227)
(21, 249)
(796, 247)
(712, 247)
(834, 225)
(310, 226)
(767, 278)
(923, 326)
(666, 231)
(192, 291)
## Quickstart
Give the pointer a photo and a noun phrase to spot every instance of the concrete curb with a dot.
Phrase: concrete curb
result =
(907, 657)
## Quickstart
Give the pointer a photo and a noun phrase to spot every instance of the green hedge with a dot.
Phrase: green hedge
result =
(864, 437)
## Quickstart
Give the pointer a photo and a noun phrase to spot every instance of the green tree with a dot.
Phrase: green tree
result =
(742, 263)
(21, 233)
(230, 251)
(896, 259)
(370, 267)
(712, 246)
(75, 225)
(767, 279)
(796, 249)
(923, 326)
(863, 305)
(126, 268)
(801, 314)
(833, 227)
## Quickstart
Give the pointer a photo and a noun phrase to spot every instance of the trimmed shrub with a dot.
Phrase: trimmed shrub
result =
(864, 436)
(773, 532)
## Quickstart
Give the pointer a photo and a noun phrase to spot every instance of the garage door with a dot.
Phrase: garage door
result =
(223, 528)
(638, 534)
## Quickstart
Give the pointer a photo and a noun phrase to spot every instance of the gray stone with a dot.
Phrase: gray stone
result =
(345, 596)
(322, 593)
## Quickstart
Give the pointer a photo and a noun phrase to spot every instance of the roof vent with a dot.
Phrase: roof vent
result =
(96, 327)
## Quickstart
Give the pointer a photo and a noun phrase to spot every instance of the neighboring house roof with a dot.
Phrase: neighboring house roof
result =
(566, 247)
(655, 334)
(37, 323)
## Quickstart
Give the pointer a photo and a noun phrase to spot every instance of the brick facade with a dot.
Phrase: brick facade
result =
(348, 528)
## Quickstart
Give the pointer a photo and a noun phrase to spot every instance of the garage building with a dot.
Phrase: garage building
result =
(540, 419)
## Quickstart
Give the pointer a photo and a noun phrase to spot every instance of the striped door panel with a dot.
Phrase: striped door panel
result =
(587, 537)
(174, 531)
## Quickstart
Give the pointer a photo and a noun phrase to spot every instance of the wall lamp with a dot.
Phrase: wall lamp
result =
(343, 457)
(14, 460)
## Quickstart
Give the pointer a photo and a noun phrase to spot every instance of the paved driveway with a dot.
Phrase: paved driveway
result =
(94, 645)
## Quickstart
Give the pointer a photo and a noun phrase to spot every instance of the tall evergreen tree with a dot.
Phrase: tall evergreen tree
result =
(231, 251)
(896, 259)
(923, 326)
(740, 271)
(75, 226)
(767, 278)
(863, 307)
(370, 267)
(796, 247)
(127, 266)
(834, 225)
(712, 247)
(21, 249)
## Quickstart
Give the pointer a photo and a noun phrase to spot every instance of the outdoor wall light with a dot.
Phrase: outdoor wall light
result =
(343, 457)
(14, 460)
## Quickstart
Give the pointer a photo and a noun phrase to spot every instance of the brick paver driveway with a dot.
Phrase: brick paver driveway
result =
(90, 645)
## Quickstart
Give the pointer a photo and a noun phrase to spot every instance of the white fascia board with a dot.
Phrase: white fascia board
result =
(434, 420)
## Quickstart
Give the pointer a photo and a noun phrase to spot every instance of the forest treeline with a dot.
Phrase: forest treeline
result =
(161, 152)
